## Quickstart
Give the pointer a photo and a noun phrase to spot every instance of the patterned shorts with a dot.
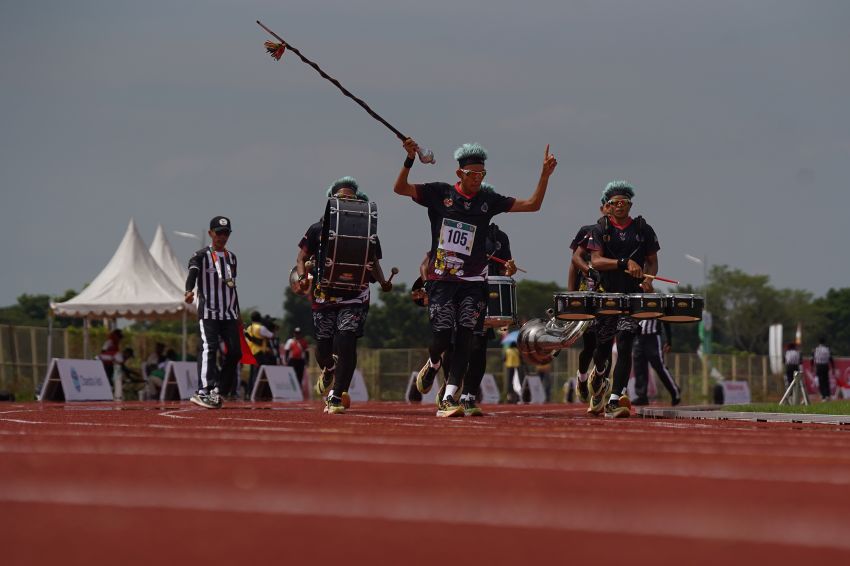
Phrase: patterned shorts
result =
(607, 327)
(460, 304)
(330, 321)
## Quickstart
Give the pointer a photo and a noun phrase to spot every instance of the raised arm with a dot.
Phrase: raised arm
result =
(402, 186)
(533, 204)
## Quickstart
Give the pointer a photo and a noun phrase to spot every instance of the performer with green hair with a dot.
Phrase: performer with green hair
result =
(460, 215)
(338, 319)
(622, 249)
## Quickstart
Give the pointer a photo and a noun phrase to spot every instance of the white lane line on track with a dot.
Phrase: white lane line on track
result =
(812, 528)
(630, 467)
(174, 415)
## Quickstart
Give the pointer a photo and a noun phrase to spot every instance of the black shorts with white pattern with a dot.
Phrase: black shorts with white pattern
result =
(456, 304)
(331, 321)
(607, 327)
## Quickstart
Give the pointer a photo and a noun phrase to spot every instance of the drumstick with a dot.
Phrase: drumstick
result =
(386, 285)
(659, 278)
(503, 262)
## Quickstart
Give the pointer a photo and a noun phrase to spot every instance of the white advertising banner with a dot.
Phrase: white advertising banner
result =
(490, 394)
(76, 380)
(180, 382)
(278, 383)
(534, 386)
(736, 393)
(357, 390)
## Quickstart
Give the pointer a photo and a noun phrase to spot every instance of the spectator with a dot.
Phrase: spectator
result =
(258, 337)
(157, 359)
(792, 362)
(124, 377)
(544, 371)
(296, 353)
(109, 351)
(822, 360)
(513, 373)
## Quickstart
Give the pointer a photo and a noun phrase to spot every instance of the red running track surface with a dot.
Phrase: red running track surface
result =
(389, 483)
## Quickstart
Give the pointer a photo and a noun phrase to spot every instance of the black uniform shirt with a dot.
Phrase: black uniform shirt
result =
(459, 227)
(629, 242)
(498, 246)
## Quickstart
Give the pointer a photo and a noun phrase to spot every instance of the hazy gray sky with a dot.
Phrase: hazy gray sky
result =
(730, 118)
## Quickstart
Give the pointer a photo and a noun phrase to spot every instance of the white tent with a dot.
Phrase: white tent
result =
(132, 285)
(164, 255)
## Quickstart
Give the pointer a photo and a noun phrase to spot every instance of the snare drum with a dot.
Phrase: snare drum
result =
(612, 303)
(646, 305)
(501, 301)
(348, 245)
(683, 308)
(575, 305)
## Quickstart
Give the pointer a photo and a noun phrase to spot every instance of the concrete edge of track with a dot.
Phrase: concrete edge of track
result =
(713, 412)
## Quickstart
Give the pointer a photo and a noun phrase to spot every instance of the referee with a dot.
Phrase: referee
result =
(822, 360)
(650, 350)
(214, 270)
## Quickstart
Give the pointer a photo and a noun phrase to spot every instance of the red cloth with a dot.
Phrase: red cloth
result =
(247, 357)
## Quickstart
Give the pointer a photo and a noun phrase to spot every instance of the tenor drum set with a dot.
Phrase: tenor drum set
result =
(587, 305)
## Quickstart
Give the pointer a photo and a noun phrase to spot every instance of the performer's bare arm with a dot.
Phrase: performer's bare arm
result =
(423, 267)
(402, 186)
(601, 263)
(301, 269)
(650, 267)
(533, 204)
(576, 264)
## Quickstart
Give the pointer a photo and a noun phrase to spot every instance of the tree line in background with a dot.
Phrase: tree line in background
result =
(743, 306)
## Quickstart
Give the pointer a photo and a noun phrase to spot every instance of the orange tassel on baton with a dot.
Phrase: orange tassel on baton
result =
(275, 49)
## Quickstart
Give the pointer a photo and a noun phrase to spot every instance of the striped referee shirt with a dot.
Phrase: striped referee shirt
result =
(792, 357)
(822, 355)
(217, 299)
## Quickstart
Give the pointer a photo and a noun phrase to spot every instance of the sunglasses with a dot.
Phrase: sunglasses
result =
(619, 202)
(470, 173)
(222, 232)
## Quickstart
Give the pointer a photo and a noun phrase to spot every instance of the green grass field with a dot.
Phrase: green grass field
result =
(816, 408)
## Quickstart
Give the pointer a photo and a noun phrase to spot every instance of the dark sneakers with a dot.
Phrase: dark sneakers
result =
(334, 406)
(449, 408)
(211, 400)
(615, 410)
(470, 408)
(676, 400)
(583, 390)
(425, 377)
(325, 380)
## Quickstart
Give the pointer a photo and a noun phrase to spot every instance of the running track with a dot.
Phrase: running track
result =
(388, 483)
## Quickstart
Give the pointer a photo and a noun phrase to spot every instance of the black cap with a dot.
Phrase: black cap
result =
(220, 224)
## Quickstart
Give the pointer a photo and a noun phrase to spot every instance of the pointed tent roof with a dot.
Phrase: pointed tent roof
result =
(132, 285)
(163, 253)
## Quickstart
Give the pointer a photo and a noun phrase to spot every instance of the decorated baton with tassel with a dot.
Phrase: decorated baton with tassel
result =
(276, 50)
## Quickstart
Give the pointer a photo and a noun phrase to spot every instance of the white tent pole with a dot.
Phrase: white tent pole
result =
(184, 335)
(49, 337)
(86, 338)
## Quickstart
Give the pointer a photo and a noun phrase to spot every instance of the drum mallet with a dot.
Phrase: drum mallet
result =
(503, 262)
(389, 282)
(276, 50)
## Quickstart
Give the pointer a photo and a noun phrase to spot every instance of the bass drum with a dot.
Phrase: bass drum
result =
(348, 246)
(501, 302)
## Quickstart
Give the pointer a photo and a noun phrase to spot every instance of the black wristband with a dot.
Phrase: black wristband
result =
(622, 263)
(408, 163)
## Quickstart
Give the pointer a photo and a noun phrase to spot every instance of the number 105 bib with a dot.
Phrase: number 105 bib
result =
(457, 237)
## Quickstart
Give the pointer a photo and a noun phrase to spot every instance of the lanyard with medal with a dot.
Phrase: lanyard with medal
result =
(227, 275)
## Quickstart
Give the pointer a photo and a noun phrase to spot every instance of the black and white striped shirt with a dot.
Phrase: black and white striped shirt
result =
(653, 327)
(216, 299)
(822, 355)
(792, 358)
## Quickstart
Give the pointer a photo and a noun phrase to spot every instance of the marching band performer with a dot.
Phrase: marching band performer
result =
(622, 249)
(338, 318)
(459, 216)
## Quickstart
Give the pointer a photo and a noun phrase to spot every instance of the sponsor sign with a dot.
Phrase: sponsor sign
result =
(180, 381)
(736, 393)
(534, 386)
(490, 394)
(357, 390)
(76, 380)
(277, 383)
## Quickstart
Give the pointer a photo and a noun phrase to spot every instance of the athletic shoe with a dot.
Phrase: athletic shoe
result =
(613, 410)
(583, 390)
(624, 401)
(210, 400)
(334, 406)
(598, 381)
(470, 409)
(326, 378)
(441, 393)
(449, 408)
(676, 400)
(425, 377)
(639, 401)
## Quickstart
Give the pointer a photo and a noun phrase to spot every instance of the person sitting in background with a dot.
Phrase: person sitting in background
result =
(109, 351)
(157, 359)
(258, 337)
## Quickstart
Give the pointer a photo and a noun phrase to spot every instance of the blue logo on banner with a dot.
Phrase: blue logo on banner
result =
(75, 379)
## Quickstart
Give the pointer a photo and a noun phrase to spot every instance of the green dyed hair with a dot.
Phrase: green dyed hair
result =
(487, 187)
(616, 188)
(349, 182)
(470, 153)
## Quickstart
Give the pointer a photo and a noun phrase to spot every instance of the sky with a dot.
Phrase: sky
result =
(731, 120)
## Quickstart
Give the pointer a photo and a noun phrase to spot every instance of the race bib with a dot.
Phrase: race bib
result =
(457, 237)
